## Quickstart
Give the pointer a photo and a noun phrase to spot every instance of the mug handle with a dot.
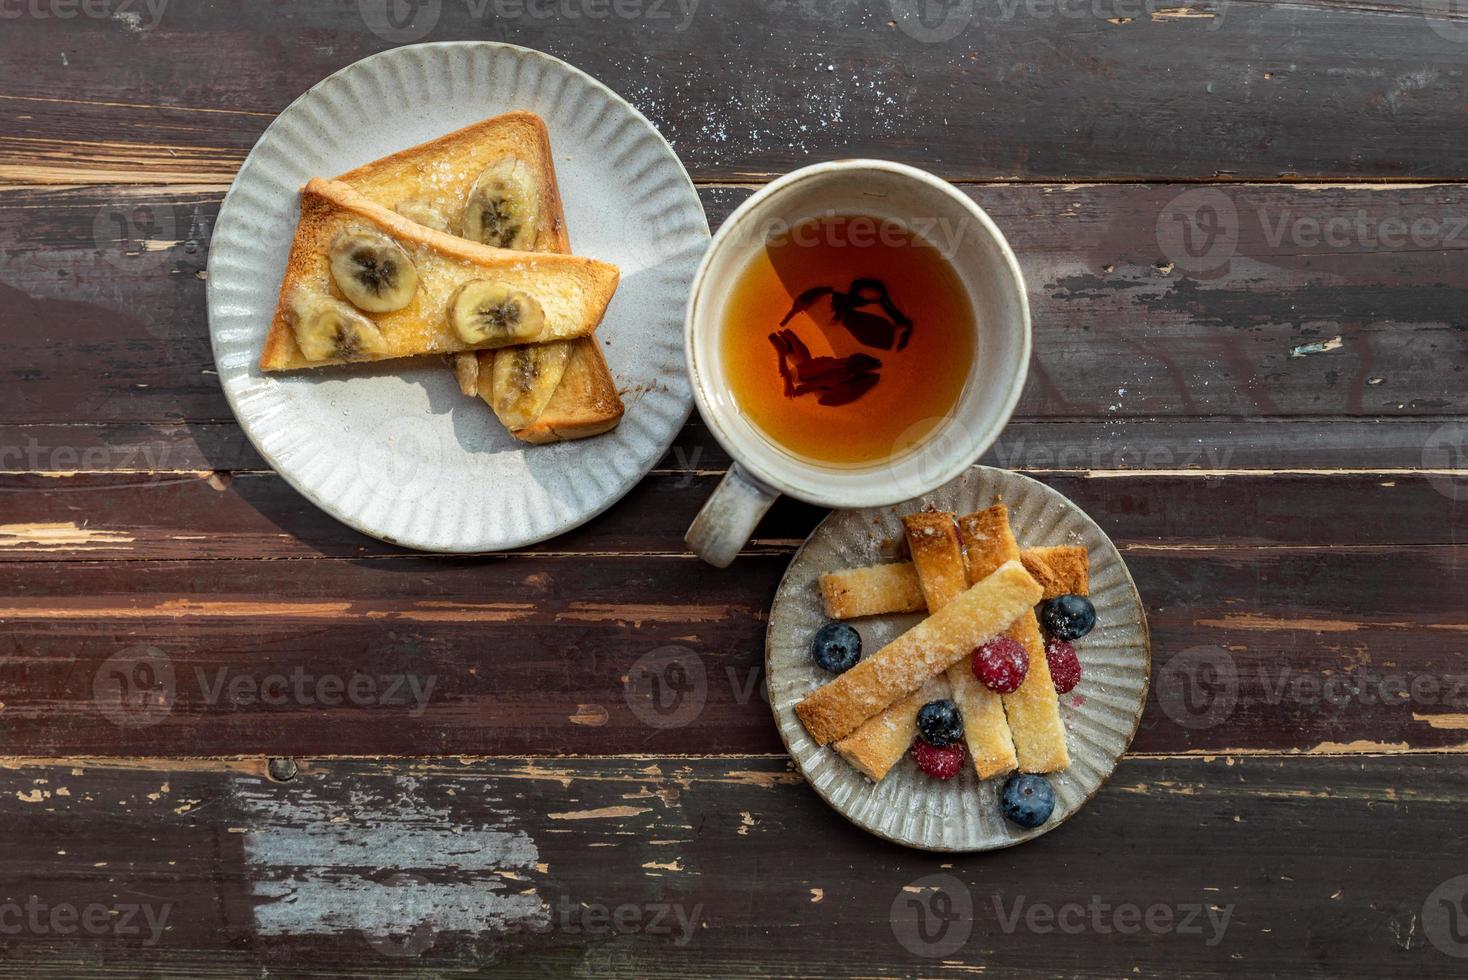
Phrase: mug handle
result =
(728, 517)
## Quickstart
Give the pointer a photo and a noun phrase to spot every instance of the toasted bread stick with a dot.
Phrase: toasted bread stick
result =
(937, 555)
(872, 590)
(1061, 570)
(904, 665)
(1033, 710)
(894, 588)
(880, 741)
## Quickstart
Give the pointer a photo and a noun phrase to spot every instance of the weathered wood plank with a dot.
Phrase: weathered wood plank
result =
(1127, 324)
(1016, 89)
(160, 516)
(1254, 649)
(1043, 446)
(722, 867)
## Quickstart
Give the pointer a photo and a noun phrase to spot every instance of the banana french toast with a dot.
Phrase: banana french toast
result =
(364, 283)
(496, 180)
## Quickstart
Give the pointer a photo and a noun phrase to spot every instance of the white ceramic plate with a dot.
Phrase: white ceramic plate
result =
(394, 450)
(962, 814)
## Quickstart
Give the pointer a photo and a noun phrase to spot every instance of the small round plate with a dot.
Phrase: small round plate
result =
(961, 814)
(394, 450)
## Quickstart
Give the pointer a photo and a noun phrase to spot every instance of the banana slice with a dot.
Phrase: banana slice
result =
(524, 379)
(372, 271)
(466, 372)
(494, 314)
(422, 212)
(327, 329)
(503, 207)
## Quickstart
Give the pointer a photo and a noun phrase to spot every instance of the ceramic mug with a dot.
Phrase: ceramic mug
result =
(985, 267)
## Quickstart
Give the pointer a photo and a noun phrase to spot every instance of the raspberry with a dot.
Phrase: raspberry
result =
(1001, 664)
(939, 763)
(1065, 666)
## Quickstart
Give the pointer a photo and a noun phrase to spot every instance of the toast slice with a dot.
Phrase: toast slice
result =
(874, 590)
(434, 178)
(573, 292)
(1063, 569)
(431, 182)
(903, 666)
(585, 402)
(1034, 709)
(881, 740)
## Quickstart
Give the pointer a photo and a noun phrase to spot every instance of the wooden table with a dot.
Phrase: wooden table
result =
(1245, 248)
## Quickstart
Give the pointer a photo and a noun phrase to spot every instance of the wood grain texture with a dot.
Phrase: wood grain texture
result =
(719, 867)
(752, 89)
(1122, 331)
(1213, 445)
(1254, 385)
(1312, 649)
(162, 516)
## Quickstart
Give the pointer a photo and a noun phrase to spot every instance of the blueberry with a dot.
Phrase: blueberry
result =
(837, 647)
(1027, 800)
(940, 723)
(1068, 617)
